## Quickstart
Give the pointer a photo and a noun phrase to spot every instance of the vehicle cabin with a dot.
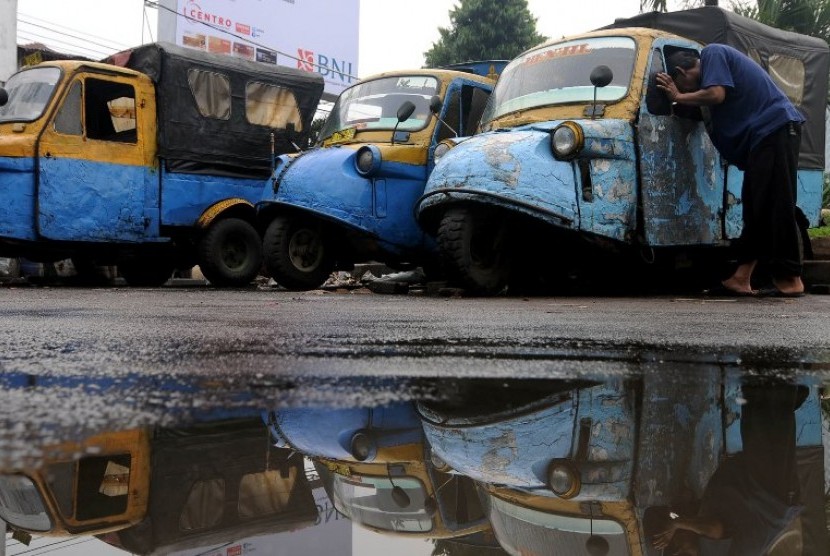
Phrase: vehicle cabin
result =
(151, 161)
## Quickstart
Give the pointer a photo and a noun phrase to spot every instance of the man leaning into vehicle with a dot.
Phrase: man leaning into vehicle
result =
(755, 127)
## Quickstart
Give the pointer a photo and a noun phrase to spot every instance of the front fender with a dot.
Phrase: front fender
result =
(515, 169)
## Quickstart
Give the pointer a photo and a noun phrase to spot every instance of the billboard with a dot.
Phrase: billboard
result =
(312, 35)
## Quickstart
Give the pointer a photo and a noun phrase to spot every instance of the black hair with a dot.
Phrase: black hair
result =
(683, 59)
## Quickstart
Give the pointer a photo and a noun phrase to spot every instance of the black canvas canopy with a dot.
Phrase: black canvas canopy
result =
(716, 25)
(190, 141)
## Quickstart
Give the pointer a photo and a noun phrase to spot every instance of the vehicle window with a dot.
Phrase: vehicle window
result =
(69, 118)
(369, 501)
(452, 117)
(788, 74)
(102, 486)
(265, 493)
(560, 74)
(271, 106)
(522, 530)
(657, 102)
(109, 111)
(212, 93)
(374, 105)
(463, 112)
(21, 504)
(476, 102)
(61, 478)
(457, 495)
(29, 93)
(205, 505)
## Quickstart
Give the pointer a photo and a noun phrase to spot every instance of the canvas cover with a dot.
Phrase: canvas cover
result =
(716, 25)
(191, 142)
(219, 456)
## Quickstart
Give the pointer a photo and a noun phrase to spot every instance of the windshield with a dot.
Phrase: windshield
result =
(29, 93)
(369, 500)
(374, 104)
(521, 530)
(21, 505)
(560, 74)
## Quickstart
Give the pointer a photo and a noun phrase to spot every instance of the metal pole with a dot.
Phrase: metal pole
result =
(3, 544)
(8, 39)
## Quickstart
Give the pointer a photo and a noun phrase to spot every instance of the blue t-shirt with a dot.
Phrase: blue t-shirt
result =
(753, 108)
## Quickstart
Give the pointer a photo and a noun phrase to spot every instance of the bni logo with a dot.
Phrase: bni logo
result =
(326, 66)
(305, 59)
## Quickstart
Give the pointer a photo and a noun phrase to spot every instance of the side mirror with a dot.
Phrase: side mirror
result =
(405, 111)
(4, 96)
(601, 76)
(435, 104)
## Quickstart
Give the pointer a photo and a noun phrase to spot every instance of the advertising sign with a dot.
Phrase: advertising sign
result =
(311, 35)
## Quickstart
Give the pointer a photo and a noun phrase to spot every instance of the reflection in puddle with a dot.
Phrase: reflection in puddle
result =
(712, 461)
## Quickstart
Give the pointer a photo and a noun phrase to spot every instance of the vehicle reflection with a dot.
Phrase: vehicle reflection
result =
(601, 468)
(713, 461)
(377, 470)
(153, 491)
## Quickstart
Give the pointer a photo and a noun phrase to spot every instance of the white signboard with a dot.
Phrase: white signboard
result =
(312, 35)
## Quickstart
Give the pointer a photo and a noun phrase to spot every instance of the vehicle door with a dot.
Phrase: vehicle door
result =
(463, 104)
(95, 180)
(681, 173)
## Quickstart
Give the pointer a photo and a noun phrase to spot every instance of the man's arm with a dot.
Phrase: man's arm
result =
(702, 97)
(706, 526)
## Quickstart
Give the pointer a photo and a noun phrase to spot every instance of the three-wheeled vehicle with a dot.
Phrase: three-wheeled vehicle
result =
(216, 483)
(151, 491)
(151, 161)
(351, 198)
(584, 164)
(378, 472)
(592, 463)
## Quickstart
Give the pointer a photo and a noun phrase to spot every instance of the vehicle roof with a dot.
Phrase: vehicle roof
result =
(72, 65)
(438, 72)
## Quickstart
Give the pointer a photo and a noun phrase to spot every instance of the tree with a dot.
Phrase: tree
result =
(485, 30)
(653, 5)
(808, 17)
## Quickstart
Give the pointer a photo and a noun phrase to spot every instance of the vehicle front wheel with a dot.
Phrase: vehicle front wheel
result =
(474, 245)
(297, 253)
(230, 253)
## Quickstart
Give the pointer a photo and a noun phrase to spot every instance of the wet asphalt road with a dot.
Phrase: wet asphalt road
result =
(75, 361)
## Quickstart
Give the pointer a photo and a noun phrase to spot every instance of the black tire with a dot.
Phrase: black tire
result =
(230, 253)
(297, 253)
(146, 272)
(474, 245)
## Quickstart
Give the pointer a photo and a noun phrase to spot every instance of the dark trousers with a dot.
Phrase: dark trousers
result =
(770, 232)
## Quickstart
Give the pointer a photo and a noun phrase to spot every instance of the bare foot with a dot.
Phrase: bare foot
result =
(736, 285)
(790, 284)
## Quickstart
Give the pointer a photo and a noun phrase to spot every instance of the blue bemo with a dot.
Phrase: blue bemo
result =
(583, 161)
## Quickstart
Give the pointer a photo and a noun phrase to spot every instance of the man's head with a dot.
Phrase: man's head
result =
(684, 69)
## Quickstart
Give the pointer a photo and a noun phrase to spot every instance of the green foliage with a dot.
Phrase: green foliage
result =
(485, 30)
(808, 17)
(653, 6)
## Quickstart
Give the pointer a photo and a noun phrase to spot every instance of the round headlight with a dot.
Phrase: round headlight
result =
(367, 160)
(563, 479)
(441, 150)
(567, 140)
(362, 446)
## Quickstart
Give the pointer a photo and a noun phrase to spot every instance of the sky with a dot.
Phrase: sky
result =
(394, 34)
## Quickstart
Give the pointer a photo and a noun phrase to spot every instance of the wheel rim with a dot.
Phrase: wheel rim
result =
(234, 252)
(305, 250)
